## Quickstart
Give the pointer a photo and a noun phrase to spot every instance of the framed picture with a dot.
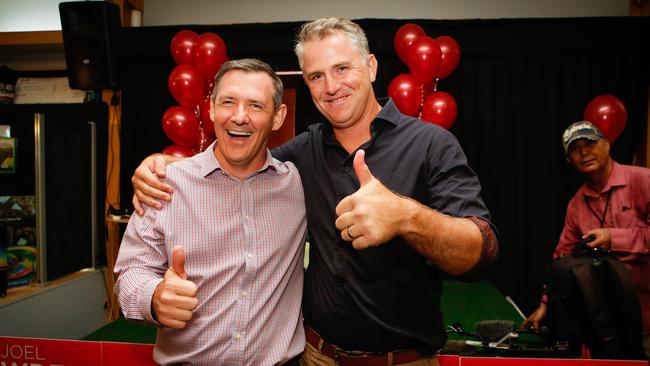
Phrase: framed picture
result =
(7, 155)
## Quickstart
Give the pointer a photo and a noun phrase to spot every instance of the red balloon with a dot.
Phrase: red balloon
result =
(204, 113)
(404, 37)
(178, 151)
(182, 46)
(450, 56)
(209, 54)
(609, 114)
(424, 58)
(406, 92)
(187, 85)
(181, 126)
(440, 108)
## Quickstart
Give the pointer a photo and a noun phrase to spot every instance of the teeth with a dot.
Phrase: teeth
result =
(239, 133)
(338, 100)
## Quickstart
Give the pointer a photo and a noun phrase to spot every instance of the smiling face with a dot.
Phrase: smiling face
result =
(589, 157)
(340, 80)
(244, 116)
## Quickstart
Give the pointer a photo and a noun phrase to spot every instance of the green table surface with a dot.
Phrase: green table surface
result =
(467, 303)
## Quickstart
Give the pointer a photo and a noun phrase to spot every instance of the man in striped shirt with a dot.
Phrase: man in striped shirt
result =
(219, 269)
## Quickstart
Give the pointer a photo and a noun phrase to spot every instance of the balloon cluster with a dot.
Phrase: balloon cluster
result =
(609, 114)
(189, 125)
(429, 60)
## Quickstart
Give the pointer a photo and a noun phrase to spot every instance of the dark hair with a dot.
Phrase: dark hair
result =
(250, 65)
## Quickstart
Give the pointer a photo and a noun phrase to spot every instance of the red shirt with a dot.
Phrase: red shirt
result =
(627, 218)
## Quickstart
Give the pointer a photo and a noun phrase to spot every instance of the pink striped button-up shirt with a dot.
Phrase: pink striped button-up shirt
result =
(243, 242)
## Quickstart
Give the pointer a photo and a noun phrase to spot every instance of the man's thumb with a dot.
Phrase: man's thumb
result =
(178, 261)
(360, 168)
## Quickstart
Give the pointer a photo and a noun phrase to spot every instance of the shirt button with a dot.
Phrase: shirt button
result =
(243, 294)
(346, 169)
(237, 335)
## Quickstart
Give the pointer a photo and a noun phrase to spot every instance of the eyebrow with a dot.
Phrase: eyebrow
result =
(309, 75)
(248, 101)
(345, 63)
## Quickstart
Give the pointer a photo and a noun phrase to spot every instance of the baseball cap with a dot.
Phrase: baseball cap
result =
(580, 130)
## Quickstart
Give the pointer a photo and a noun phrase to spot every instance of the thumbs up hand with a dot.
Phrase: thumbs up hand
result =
(175, 297)
(373, 214)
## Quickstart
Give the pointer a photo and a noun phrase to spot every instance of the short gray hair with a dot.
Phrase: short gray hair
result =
(250, 65)
(322, 27)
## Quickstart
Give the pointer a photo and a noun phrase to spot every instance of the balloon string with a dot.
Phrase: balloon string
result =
(199, 146)
(421, 101)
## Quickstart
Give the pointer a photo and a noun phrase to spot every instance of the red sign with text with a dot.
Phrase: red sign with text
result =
(51, 352)
(48, 352)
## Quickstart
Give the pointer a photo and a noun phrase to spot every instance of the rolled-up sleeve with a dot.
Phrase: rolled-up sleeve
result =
(489, 251)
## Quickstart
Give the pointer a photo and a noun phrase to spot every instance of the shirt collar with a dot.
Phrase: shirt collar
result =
(209, 164)
(388, 113)
(618, 178)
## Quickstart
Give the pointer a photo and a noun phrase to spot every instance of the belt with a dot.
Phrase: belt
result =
(356, 358)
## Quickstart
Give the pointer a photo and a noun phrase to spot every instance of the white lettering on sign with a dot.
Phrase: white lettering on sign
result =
(16, 351)
(13, 363)
(11, 352)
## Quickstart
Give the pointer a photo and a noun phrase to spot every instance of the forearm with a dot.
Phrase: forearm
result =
(140, 266)
(632, 240)
(169, 158)
(452, 244)
(135, 288)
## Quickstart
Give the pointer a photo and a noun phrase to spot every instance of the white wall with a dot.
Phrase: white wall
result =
(31, 15)
(168, 12)
(48, 313)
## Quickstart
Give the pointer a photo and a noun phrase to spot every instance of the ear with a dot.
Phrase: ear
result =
(212, 109)
(606, 145)
(278, 118)
(373, 65)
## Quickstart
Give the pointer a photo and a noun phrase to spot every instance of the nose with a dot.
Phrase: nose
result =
(332, 85)
(239, 115)
(583, 149)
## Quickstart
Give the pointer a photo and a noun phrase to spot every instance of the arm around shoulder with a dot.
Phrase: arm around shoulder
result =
(148, 187)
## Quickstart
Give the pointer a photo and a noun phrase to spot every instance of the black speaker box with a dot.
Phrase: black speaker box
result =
(90, 30)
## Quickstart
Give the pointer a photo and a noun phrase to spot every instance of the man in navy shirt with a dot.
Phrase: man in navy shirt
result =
(392, 205)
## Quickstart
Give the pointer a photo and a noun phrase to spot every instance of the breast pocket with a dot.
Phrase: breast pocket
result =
(627, 218)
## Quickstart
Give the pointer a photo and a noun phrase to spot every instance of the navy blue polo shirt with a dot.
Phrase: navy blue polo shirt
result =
(387, 297)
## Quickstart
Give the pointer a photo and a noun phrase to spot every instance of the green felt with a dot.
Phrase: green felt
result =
(467, 303)
(122, 330)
